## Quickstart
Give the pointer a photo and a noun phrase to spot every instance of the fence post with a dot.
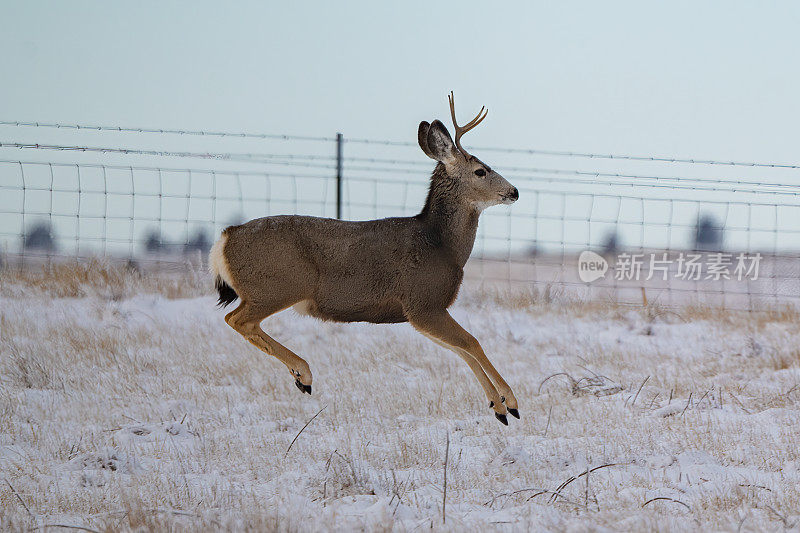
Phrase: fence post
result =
(339, 142)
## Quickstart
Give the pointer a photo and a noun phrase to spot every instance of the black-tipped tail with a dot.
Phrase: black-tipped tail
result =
(226, 292)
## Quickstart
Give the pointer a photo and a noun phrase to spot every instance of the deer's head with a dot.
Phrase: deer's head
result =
(473, 181)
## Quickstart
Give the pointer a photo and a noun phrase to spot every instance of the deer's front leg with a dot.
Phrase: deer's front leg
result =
(503, 388)
(444, 330)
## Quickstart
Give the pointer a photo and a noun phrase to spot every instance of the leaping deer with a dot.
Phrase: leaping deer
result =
(405, 269)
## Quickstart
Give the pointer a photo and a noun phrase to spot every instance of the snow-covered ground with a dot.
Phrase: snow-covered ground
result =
(126, 405)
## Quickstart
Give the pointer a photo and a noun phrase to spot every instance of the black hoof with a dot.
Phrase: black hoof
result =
(303, 388)
(501, 418)
(514, 413)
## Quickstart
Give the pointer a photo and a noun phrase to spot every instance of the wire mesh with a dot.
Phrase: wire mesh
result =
(128, 193)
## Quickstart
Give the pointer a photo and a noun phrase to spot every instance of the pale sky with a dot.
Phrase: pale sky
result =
(712, 80)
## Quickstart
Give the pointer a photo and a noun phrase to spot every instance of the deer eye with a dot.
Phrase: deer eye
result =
(480, 172)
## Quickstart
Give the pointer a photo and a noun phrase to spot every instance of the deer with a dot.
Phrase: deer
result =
(391, 270)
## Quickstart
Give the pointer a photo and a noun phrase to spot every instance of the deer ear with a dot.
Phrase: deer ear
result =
(422, 138)
(440, 144)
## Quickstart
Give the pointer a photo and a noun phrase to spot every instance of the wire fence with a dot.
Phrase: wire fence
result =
(627, 228)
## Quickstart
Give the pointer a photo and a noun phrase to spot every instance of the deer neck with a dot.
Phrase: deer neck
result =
(453, 224)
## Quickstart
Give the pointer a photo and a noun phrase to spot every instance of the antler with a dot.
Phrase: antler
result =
(461, 130)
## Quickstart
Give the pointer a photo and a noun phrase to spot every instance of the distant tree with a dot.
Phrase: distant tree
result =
(708, 234)
(39, 237)
(153, 242)
(200, 242)
(610, 243)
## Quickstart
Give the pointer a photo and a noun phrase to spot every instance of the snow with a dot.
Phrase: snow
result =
(148, 412)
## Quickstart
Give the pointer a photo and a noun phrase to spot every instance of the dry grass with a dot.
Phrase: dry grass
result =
(104, 279)
(127, 404)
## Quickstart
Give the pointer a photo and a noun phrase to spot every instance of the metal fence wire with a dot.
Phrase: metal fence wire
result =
(626, 228)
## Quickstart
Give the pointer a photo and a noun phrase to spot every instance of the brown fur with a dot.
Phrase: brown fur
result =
(379, 271)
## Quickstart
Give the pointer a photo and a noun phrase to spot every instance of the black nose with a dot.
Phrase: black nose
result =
(514, 194)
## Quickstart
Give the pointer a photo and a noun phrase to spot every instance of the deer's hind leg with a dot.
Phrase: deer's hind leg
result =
(246, 321)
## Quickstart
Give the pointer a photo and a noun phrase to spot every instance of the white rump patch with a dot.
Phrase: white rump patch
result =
(217, 262)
